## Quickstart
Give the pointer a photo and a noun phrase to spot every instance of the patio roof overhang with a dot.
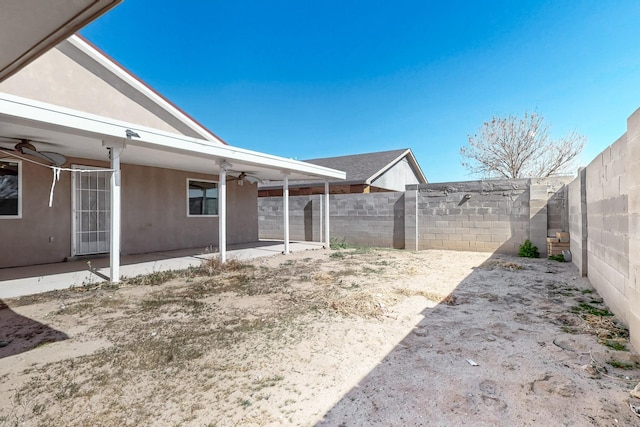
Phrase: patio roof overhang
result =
(77, 134)
(28, 28)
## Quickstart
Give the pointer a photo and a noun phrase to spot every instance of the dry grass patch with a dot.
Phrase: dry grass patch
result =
(274, 341)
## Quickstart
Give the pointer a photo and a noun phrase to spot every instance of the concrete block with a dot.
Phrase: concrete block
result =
(459, 244)
(634, 329)
(491, 245)
(436, 244)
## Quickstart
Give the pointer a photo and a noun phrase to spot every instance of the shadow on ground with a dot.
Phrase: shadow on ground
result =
(507, 349)
(19, 334)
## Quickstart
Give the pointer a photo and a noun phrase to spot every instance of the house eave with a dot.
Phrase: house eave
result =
(28, 28)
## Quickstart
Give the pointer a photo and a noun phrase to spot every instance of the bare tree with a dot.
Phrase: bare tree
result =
(520, 147)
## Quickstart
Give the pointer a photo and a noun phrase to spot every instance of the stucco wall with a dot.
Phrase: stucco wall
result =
(154, 215)
(66, 77)
(154, 212)
(43, 234)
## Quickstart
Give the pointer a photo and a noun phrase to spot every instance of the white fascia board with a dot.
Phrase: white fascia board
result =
(141, 87)
(42, 115)
(385, 168)
(410, 158)
(416, 166)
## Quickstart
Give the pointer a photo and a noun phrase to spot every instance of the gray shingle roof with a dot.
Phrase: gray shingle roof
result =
(359, 167)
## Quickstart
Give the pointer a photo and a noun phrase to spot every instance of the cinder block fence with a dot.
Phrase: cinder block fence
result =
(488, 215)
(600, 209)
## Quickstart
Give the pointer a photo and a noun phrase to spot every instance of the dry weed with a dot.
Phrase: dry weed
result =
(449, 299)
(498, 263)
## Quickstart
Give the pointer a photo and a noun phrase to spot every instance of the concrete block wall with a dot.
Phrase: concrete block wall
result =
(633, 213)
(474, 215)
(305, 218)
(548, 210)
(608, 226)
(604, 212)
(374, 219)
(488, 215)
(577, 215)
(538, 221)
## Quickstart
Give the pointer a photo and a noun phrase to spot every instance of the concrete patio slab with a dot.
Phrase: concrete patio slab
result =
(20, 281)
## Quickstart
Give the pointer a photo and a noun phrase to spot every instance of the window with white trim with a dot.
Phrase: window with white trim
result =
(10, 189)
(202, 198)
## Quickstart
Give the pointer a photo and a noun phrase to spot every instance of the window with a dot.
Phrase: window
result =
(10, 189)
(203, 198)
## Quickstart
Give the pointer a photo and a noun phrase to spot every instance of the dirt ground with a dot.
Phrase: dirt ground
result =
(352, 337)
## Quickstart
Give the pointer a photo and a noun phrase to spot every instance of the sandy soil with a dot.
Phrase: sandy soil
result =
(335, 338)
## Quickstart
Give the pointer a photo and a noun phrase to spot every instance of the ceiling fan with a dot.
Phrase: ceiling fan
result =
(26, 147)
(246, 176)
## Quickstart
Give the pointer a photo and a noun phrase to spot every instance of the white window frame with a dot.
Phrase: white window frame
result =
(19, 162)
(217, 183)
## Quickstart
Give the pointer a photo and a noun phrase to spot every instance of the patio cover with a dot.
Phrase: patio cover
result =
(77, 134)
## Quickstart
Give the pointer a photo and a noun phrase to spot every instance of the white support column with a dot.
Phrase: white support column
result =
(115, 150)
(285, 198)
(327, 229)
(222, 212)
(417, 220)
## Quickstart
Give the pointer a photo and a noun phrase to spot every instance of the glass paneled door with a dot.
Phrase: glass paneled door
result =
(91, 210)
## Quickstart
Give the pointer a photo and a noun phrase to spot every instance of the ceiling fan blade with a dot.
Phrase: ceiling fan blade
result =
(253, 179)
(53, 158)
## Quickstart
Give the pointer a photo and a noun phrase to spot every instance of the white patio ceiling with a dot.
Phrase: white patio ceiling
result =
(28, 28)
(75, 134)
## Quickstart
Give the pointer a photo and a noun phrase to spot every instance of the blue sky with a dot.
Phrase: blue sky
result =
(303, 79)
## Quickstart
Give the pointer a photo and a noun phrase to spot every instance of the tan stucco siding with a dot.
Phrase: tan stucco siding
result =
(154, 215)
(154, 207)
(42, 234)
(56, 78)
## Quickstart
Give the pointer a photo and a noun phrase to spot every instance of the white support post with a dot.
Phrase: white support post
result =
(417, 221)
(285, 198)
(327, 230)
(222, 212)
(115, 150)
